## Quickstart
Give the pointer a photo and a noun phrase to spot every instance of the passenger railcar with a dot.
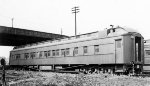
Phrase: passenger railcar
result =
(110, 50)
(146, 66)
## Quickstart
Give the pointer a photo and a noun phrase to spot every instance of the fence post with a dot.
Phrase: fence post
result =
(3, 69)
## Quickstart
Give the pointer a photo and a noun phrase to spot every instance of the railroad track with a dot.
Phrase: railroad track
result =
(11, 76)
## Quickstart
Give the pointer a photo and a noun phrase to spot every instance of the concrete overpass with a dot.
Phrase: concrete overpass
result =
(16, 36)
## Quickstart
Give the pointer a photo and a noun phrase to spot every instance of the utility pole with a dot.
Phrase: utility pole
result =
(75, 10)
(61, 31)
(61, 34)
(12, 22)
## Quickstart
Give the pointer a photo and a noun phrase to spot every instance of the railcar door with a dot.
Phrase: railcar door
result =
(118, 51)
(138, 49)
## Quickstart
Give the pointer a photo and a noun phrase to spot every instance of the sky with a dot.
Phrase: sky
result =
(53, 15)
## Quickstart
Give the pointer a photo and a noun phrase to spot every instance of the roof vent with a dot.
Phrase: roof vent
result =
(112, 26)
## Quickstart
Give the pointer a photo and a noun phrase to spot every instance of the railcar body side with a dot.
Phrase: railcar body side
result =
(146, 67)
(115, 47)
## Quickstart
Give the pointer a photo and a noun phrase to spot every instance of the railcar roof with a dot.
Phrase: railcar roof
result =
(147, 41)
(98, 34)
(147, 46)
(129, 29)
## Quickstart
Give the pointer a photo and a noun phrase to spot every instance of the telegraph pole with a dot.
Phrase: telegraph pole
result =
(61, 31)
(12, 22)
(75, 10)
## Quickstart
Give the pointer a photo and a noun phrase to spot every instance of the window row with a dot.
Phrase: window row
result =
(147, 52)
(58, 52)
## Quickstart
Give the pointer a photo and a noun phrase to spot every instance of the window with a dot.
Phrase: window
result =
(26, 55)
(49, 53)
(75, 52)
(37, 54)
(45, 54)
(53, 52)
(96, 48)
(17, 56)
(12, 56)
(32, 55)
(41, 54)
(85, 49)
(67, 51)
(57, 52)
(147, 53)
(118, 43)
(63, 52)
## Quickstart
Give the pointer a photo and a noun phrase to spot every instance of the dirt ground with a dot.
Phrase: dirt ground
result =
(30, 78)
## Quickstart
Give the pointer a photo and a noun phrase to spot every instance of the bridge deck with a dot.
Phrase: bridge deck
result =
(15, 36)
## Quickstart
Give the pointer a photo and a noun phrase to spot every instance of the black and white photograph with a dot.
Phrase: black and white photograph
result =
(74, 43)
